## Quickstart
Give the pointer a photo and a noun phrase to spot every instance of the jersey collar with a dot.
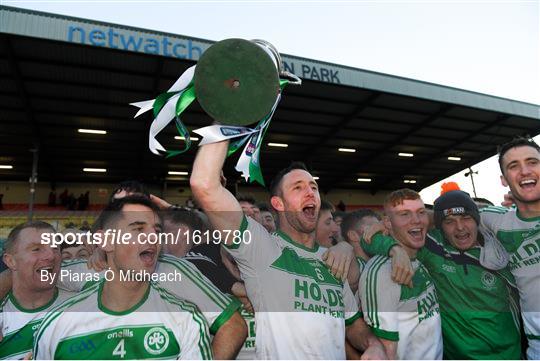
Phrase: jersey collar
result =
(287, 238)
(32, 310)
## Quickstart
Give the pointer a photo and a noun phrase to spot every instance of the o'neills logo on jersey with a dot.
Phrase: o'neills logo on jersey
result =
(120, 334)
(453, 211)
(156, 340)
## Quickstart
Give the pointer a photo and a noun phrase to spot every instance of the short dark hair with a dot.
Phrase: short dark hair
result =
(514, 143)
(327, 206)
(131, 186)
(246, 198)
(338, 213)
(264, 207)
(276, 181)
(186, 217)
(352, 218)
(112, 212)
(13, 236)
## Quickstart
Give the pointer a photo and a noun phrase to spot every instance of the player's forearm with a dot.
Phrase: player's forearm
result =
(205, 176)
(379, 245)
(230, 337)
(391, 348)
(351, 353)
(221, 207)
(360, 336)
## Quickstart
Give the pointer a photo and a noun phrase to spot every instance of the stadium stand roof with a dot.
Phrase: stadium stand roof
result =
(61, 73)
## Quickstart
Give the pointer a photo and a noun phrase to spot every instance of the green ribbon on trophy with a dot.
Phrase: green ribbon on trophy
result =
(237, 82)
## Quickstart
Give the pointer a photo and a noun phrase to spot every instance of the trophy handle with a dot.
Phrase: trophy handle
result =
(276, 58)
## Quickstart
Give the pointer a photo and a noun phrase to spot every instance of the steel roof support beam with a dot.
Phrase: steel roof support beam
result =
(427, 159)
(375, 154)
(308, 153)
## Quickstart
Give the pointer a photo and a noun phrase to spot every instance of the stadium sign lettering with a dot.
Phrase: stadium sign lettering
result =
(319, 73)
(115, 38)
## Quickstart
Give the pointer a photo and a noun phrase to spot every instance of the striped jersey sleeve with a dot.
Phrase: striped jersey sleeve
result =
(195, 343)
(216, 306)
(379, 297)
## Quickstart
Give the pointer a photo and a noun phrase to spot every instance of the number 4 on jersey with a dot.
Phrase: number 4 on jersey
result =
(119, 350)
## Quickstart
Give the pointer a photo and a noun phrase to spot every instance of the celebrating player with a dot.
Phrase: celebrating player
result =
(406, 320)
(478, 306)
(122, 316)
(301, 309)
(34, 268)
(518, 230)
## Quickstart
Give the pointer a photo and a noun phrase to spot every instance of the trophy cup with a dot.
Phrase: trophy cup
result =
(237, 82)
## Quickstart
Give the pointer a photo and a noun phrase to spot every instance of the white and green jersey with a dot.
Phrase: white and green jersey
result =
(520, 237)
(18, 324)
(216, 306)
(361, 263)
(361, 266)
(247, 352)
(408, 316)
(159, 326)
(300, 309)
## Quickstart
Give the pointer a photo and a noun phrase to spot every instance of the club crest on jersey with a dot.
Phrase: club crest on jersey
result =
(453, 211)
(488, 280)
(156, 340)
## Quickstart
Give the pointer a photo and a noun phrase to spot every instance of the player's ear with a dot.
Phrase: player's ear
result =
(503, 181)
(386, 222)
(277, 203)
(9, 261)
(353, 236)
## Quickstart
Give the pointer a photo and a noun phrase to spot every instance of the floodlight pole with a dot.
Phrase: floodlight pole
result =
(33, 181)
(471, 173)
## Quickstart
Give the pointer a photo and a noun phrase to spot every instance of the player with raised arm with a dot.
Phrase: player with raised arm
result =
(126, 315)
(302, 311)
(34, 268)
(406, 320)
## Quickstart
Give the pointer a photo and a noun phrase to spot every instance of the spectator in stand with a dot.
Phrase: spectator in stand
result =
(72, 202)
(86, 200)
(80, 202)
(52, 198)
(64, 198)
